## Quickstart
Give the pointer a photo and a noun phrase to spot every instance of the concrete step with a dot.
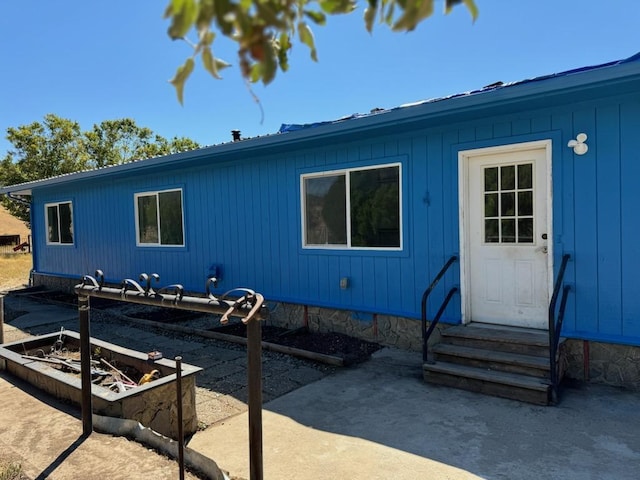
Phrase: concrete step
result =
(500, 384)
(492, 360)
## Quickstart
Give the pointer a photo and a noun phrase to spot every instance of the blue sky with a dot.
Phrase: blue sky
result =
(94, 61)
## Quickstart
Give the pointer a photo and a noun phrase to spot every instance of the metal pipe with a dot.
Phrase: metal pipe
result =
(254, 382)
(170, 300)
(180, 424)
(1, 319)
(585, 359)
(85, 364)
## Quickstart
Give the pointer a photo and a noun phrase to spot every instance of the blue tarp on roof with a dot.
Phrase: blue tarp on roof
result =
(292, 127)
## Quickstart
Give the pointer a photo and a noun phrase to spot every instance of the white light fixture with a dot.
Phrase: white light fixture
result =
(578, 145)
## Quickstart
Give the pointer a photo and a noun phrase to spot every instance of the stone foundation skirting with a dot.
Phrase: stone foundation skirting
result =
(605, 363)
(62, 284)
(399, 332)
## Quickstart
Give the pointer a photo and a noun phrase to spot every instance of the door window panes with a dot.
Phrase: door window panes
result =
(509, 204)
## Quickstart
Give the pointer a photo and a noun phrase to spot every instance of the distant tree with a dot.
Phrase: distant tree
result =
(113, 142)
(57, 146)
(265, 30)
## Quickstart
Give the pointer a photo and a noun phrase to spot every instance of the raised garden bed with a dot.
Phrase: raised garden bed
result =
(151, 404)
(332, 348)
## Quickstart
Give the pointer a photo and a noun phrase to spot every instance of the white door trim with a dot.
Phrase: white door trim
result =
(463, 188)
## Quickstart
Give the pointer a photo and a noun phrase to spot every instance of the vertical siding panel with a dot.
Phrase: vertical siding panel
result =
(586, 228)
(418, 217)
(521, 126)
(435, 211)
(320, 278)
(630, 228)
(266, 250)
(305, 278)
(451, 223)
(364, 152)
(391, 148)
(256, 224)
(407, 263)
(285, 238)
(352, 267)
(564, 212)
(381, 285)
(333, 279)
(377, 150)
(368, 282)
(484, 132)
(501, 129)
(607, 148)
(541, 124)
(229, 207)
(467, 134)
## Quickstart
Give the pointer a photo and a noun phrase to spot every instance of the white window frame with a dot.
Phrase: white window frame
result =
(46, 219)
(157, 193)
(346, 172)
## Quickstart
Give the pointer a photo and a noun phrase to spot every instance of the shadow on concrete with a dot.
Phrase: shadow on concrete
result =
(590, 434)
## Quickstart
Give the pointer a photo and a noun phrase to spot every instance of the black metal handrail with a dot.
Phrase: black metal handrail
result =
(555, 324)
(427, 333)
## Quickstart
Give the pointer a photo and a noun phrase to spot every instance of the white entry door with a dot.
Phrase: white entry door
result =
(506, 231)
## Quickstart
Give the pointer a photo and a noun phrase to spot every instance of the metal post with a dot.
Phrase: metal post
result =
(85, 365)
(180, 424)
(1, 319)
(254, 381)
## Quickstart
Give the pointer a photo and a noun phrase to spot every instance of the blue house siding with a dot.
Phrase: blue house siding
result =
(242, 208)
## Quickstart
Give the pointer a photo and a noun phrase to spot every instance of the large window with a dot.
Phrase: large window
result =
(159, 218)
(353, 208)
(59, 223)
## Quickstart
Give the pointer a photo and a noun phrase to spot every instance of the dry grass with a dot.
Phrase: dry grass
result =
(14, 270)
(10, 470)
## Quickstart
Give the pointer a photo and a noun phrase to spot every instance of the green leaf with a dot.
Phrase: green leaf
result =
(206, 37)
(209, 63)
(306, 37)
(182, 74)
(470, 4)
(183, 15)
(221, 64)
(318, 18)
(269, 63)
(473, 9)
(414, 13)
(255, 73)
(369, 17)
(338, 6)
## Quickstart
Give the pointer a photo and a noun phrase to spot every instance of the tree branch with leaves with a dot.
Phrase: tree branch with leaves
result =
(265, 30)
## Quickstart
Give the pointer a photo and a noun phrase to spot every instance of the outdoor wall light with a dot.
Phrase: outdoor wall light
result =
(578, 145)
(344, 283)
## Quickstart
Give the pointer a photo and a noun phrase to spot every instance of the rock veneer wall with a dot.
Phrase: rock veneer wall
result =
(399, 332)
(606, 363)
(156, 408)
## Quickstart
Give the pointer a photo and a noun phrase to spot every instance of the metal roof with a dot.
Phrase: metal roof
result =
(294, 134)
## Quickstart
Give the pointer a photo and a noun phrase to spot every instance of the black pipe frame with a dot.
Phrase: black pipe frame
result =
(250, 308)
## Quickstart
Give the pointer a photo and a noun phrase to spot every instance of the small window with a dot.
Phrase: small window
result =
(59, 223)
(159, 218)
(353, 208)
